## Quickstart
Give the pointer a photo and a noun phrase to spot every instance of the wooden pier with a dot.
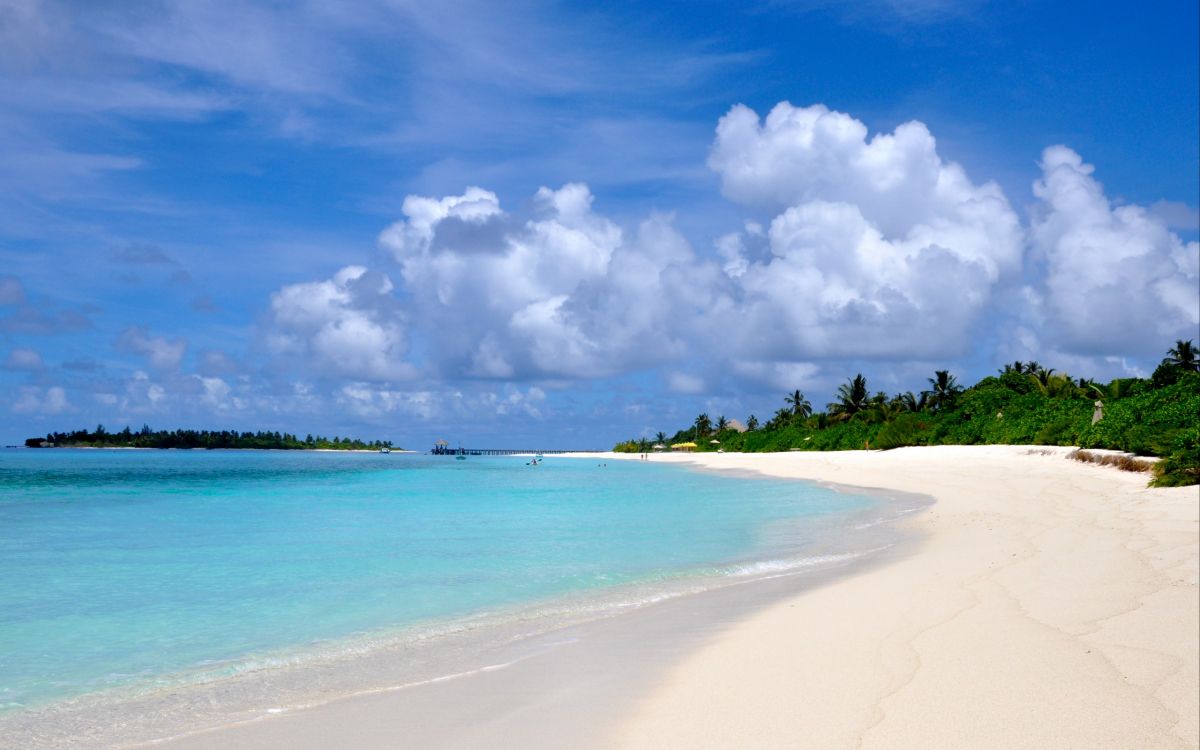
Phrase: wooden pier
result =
(443, 450)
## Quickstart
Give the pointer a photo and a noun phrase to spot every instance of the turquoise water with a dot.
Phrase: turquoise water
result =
(122, 567)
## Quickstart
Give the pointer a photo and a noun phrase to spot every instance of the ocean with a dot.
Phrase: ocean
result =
(130, 575)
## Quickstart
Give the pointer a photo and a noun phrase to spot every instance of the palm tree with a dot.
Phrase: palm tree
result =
(752, 423)
(722, 423)
(944, 388)
(1118, 388)
(1183, 355)
(912, 402)
(1053, 386)
(852, 397)
(703, 425)
(1040, 375)
(1018, 367)
(660, 438)
(800, 405)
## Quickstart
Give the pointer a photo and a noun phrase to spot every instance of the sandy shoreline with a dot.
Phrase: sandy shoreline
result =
(1048, 604)
(1052, 605)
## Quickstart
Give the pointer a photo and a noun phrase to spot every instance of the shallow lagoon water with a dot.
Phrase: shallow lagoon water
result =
(127, 570)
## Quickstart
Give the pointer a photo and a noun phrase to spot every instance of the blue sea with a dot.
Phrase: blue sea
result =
(129, 569)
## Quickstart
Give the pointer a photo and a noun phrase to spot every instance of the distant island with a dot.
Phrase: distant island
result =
(1024, 403)
(200, 439)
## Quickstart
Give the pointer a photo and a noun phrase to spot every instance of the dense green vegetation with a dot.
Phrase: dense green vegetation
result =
(147, 438)
(1024, 403)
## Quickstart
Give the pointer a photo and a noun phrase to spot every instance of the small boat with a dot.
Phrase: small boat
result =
(460, 457)
(385, 449)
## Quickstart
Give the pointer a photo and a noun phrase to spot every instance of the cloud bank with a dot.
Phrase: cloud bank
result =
(855, 248)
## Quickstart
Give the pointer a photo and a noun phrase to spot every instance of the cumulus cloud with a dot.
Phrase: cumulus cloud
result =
(856, 247)
(143, 395)
(879, 247)
(215, 362)
(33, 400)
(370, 402)
(218, 394)
(1117, 280)
(161, 353)
(566, 294)
(349, 325)
(1177, 215)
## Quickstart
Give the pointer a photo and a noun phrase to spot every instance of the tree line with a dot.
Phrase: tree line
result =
(199, 439)
(1023, 403)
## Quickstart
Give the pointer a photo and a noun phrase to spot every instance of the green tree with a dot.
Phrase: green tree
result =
(852, 398)
(1183, 355)
(752, 423)
(782, 418)
(800, 405)
(912, 402)
(703, 426)
(943, 390)
(722, 423)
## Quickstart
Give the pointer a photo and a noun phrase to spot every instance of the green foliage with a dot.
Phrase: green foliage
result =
(906, 429)
(1150, 421)
(1025, 404)
(205, 439)
(1181, 466)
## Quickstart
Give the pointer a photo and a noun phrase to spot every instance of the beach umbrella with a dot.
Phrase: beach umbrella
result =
(715, 442)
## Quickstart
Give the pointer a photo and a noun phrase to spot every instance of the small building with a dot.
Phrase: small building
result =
(683, 447)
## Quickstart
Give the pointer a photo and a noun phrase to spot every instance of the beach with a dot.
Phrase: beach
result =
(1052, 604)
(1042, 603)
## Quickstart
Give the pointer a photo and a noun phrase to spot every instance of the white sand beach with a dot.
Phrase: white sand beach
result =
(1049, 604)
(1052, 605)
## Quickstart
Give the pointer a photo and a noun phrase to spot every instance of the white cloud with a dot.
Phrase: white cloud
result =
(682, 382)
(33, 400)
(159, 352)
(218, 394)
(349, 325)
(881, 248)
(414, 234)
(22, 358)
(859, 248)
(1177, 215)
(563, 295)
(371, 402)
(780, 376)
(1117, 280)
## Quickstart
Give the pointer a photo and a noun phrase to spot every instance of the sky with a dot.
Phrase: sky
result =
(554, 225)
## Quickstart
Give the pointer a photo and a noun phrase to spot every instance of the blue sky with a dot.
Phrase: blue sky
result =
(261, 215)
